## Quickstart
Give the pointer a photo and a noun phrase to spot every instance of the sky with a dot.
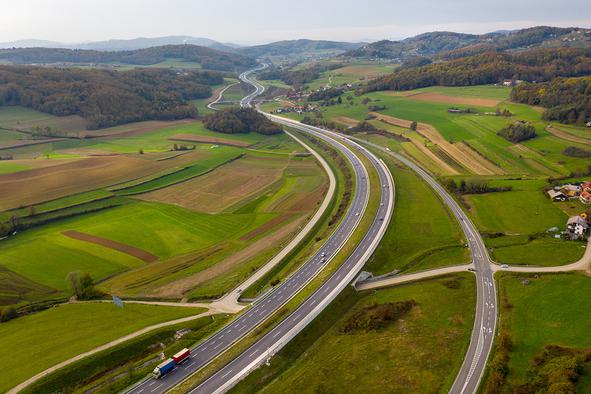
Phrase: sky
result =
(261, 21)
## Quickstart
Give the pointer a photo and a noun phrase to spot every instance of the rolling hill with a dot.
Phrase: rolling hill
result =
(295, 47)
(446, 45)
(208, 58)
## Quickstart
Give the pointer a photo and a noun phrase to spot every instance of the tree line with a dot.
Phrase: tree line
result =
(240, 120)
(106, 98)
(208, 58)
(568, 100)
(489, 67)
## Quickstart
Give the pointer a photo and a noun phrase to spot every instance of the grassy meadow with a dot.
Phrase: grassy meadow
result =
(521, 215)
(33, 343)
(545, 310)
(420, 352)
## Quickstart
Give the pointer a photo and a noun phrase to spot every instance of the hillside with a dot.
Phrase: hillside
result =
(294, 47)
(208, 58)
(106, 98)
(489, 67)
(446, 45)
(568, 100)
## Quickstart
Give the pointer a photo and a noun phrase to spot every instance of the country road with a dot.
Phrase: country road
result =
(281, 294)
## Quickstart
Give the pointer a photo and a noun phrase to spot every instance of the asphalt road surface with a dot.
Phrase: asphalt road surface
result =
(483, 332)
(281, 294)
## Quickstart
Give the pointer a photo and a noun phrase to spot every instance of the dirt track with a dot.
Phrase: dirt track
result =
(141, 254)
(567, 136)
(205, 139)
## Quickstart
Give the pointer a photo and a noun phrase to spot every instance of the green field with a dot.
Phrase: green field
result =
(547, 310)
(220, 155)
(46, 256)
(419, 353)
(33, 343)
(525, 212)
(351, 73)
(422, 234)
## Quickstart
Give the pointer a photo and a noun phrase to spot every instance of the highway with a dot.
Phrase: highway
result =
(483, 333)
(281, 294)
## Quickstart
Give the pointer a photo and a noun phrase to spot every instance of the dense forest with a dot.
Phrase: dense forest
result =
(568, 100)
(208, 58)
(106, 98)
(300, 76)
(240, 120)
(490, 67)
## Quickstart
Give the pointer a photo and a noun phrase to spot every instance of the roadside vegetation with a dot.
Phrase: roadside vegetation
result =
(543, 346)
(408, 338)
(27, 349)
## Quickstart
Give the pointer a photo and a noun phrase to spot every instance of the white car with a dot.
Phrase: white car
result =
(504, 265)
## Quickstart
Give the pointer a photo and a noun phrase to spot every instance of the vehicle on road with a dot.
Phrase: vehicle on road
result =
(504, 265)
(163, 368)
(182, 356)
(168, 365)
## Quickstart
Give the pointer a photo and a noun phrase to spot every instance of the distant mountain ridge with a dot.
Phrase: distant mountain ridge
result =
(122, 44)
(446, 45)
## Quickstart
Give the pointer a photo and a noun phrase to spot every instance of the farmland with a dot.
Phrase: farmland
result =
(543, 310)
(27, 350)
(414, 240)
(420, 352)
(465, 145)
(208, 212)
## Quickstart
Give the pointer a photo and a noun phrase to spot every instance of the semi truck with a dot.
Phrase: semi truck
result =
(168, 365)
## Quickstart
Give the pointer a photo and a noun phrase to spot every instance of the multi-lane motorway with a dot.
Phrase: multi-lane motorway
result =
(483, 332)
(314, 304)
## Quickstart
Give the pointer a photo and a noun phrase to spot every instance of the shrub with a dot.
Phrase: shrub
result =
(377, 316)
(518, 131)
(574, 151)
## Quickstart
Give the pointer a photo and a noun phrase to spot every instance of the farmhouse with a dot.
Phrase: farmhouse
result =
(576, 227)
(585, 197)
(557, 195)
(571, 190)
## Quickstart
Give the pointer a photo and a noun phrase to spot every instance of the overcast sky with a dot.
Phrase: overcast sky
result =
(259, 21)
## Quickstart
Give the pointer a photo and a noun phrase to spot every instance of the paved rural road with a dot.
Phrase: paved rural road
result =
(483, 332)
(311, 307)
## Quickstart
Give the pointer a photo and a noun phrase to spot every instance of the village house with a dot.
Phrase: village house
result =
(571, 190)
(585, 197)
(576, 227)
(557, 195)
